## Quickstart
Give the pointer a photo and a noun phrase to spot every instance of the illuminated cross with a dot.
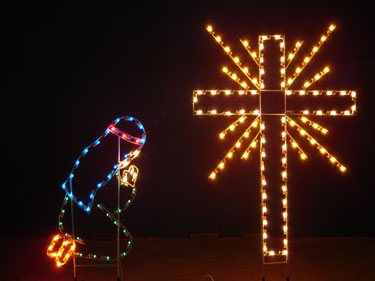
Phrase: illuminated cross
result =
(270, 96)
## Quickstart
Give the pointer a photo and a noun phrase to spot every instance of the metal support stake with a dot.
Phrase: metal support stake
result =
(73, 232)
(118, 214)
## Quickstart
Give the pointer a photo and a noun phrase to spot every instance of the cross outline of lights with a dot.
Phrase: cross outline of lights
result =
(286, 120)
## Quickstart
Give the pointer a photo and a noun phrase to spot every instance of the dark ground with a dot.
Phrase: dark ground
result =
(312, 259)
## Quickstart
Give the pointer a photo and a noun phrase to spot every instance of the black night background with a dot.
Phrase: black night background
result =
(69, 72)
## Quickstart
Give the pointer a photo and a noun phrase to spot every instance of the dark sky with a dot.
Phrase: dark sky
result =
(70, 72)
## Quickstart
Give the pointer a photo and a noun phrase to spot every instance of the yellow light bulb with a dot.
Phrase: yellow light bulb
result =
(245, 43)
(342, 168)
(218, 38)
(238, 144)
(221, 165)
(236, 60)
(222, 135)
(227, 49)
(213, 176)
(245, 155)
(225, 70)
(209, 28)
(230, 154)
(332, 27)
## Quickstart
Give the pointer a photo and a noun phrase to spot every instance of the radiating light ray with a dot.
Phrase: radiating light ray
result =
(317, 145)
(295, 145)
(252, 54)
(292, 55)
(235, 59)
(316, 77)
(314, 125)
(235, 78)
(308, 58)
(232, 150)
(233, 126)
(252, 145)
